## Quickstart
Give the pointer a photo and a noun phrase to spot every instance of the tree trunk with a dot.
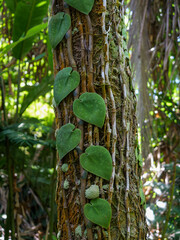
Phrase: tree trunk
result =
(95, 46)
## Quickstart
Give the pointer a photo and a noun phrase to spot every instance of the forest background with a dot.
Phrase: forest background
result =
(27, 141)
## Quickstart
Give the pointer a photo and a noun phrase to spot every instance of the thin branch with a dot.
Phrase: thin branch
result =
(83, 67)
(90, 55)
(80, 126)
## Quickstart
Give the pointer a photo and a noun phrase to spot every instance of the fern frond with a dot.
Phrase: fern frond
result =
(23, 139)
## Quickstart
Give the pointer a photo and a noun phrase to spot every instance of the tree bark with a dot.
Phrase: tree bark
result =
(95, 46)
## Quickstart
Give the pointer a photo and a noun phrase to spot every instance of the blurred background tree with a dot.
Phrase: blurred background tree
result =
(154, 40)
(27, 146)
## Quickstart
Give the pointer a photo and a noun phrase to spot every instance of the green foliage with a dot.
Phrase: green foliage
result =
(139, 157)
(57, 28)
(21, 134)
(27, 143)
(99, 212)
(97, 160)
(84, 6)
(28, 14)
(30, 33)
(142, 196)
(91, 108)
(35, 92)
(39, 174)
(67, 138)
(19, 138)
(11, 4)
(50, 54)
(65, 82)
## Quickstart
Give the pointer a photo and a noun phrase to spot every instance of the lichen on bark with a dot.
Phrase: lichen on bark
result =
(97, 51)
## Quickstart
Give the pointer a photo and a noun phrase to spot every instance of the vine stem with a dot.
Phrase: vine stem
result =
(80, 126)
(114, 131)
(83, 67)
(127, 189)
(119, 41)
(107, 128)
(125, 124)
(113, 110)
(57, 66)
(90, 55)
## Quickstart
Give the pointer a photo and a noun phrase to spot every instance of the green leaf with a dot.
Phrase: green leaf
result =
(50, 53)
(31, 32)
(84, 6)
(67, 139)
(11, 4)
(20, 138)
(58, 26)
(140, 160)
(28, 14)
(91, 108)
(99, 212)
(139, 157)
(126, 54)
(124, 32)
(35, 92)
(65, 82)
(97, 160)
(142, 196)
(141, 193)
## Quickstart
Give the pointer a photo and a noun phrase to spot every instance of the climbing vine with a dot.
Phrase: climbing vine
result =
(91, 108)
(98, 183)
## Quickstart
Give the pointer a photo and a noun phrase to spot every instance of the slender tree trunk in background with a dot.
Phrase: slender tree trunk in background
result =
(10, 224)
(95, 46)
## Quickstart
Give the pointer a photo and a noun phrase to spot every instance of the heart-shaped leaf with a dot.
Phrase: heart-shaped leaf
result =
(91, 108)
(99, 212)
(65, 82)
(67, 138)
(84, 6)
(57, 28)
(97, 160)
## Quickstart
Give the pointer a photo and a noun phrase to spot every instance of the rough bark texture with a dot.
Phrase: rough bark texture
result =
(96, 48)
